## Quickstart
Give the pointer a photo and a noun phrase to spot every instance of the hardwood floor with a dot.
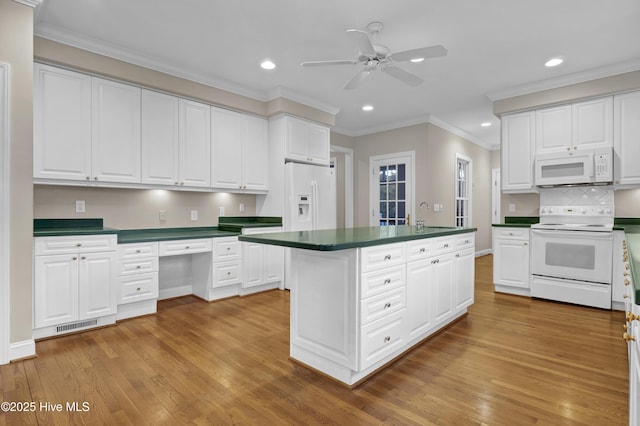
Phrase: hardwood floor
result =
(510, 361)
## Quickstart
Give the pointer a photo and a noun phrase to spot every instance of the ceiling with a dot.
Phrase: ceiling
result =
(496, 49)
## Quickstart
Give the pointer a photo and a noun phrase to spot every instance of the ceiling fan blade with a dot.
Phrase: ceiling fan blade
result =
(357, 79)
(422, 52)
(400, 74)
(322, 63)
(364, 42)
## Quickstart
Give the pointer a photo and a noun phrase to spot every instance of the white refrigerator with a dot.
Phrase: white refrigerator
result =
(310, 197)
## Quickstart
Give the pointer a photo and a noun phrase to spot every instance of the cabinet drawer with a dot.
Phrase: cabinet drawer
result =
(382, 256)
(225, 249)
(75, 244)
(135, 288)
(137, 266)
(442, 245)
(384, 304)
(511, 233)
(137, 250)
(381, 338)
(176, 247)
(418, 250)
(380, 281)
(465, 241)
(225, 273)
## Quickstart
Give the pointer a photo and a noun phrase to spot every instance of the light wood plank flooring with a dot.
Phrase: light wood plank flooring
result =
(510, 361)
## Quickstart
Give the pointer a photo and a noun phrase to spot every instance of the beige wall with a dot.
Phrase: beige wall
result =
(139, 208)
(16, 49)
(435, 151)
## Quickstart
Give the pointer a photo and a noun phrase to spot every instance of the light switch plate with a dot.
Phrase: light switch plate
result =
(194, 214)
(512, 208)
(241, 208)
(80, 206)
(163, 215)
(221, 211)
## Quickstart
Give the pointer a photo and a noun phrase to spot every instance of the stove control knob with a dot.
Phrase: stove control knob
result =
(608, 211)
(600, 211)
(583, 211)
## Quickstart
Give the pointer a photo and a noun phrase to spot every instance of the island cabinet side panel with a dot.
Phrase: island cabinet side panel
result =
(324, 308)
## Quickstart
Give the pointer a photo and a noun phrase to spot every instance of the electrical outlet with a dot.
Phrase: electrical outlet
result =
(194, 214)
(512, 208)
(163, 215)
(80, 206)
(241, 208)
(221, 211)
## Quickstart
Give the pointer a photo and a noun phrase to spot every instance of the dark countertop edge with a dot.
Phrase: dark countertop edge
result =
(73, 231)
(350, 245)
(128, 236)
(251, 220)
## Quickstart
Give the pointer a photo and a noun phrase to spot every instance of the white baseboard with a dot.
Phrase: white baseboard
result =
(24, 349)
(484, 252)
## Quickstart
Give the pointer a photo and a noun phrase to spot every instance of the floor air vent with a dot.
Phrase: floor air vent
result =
(73, 326)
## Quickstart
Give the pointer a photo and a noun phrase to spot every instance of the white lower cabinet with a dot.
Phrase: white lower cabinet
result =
(354, 310)
(137, 280)
(262, 265)
(511, 260)
(73, 289)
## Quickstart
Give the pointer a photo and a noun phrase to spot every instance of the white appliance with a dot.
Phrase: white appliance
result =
(593, 166)
(572, 246)
(310, 197)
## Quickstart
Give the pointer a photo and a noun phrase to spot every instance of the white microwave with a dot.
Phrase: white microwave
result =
(591, 166)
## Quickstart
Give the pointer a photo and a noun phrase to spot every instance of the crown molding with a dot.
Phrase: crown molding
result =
(458, 132)
(283, 92)
(566, 80)
(30, 3)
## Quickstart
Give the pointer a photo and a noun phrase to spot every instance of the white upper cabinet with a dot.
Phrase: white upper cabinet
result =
(62, 124)
(518, 133)
(573, 127)
(195, 143)
(627, 140)
(306, 142)
(239, 151)
(115, 147)
(160, 142)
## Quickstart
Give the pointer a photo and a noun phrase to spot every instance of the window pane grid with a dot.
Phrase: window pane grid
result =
(462, 193)
(392, 194)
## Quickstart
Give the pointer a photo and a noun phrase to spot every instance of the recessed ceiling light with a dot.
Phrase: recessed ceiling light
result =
(267, 64)
(367, 108)
(416, 60)
(486, 124)
(554, 62)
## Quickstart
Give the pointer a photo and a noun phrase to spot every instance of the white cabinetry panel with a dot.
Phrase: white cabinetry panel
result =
(160, 138)
(627, 140)
(592, 124)
(517, 152)
(195, 144)
(553, 129)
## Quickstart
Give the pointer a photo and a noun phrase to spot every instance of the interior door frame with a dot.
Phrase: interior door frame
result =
(348, 183)
(374, 190)
(5, 263)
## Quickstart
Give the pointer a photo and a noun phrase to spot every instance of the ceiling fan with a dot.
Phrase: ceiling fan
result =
(376, 57)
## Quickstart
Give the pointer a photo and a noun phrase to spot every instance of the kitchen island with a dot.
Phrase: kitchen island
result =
(362, 297)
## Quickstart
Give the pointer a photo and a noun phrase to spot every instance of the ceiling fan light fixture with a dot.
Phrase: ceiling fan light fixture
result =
(554, 62)
(367, 108)
(267, 64)
(416, 60)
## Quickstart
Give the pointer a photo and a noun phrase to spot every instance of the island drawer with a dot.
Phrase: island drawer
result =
(384, 304)
(383, 256)
(511, 233)
(227, 248)
(137, 266)
(75, 244)
(382, 338)
(176, 247)
(225, 273)
(465, 241)
(419, 249)
(442, 245)
(137, 250)
(135, 288)
(380, 281)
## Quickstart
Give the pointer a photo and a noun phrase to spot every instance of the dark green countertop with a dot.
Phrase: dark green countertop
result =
(63, 227)
(517, 222)
(127, 236)
(631, 228)
(340, 239)
(236, 223)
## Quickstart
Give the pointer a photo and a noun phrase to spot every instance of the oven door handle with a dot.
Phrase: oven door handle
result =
(579, 234)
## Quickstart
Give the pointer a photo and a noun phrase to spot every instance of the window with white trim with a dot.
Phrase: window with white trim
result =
(463, 190)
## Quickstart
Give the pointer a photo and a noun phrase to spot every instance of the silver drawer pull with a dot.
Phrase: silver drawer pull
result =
(466, 241)
(387, 281)
(186, 247)
(387, 257)
(83, 258)
(387, 338)
(422, 250)
(138, 251)
(138, 289)
(228, 248)
(138, 267)
(435, 261)
(387, 305)
(228, 273)
(446, 245)
(457, 254)
(74, 258)
(79, 245)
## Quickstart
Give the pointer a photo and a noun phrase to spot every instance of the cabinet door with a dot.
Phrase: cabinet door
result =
(96, 286)
(318, 145)
(420, 285)
(195, 144)
(626, 136)
(443, 284)
(115, 141)
(553, 129)
(62, 124)
(255, 154)
(252, 264)
(511, 263)
(296, 139)
(518, 140)
(159, 138)
(593, 124)
(226, 149)
(464, 271)
(55, 290)
(273, 264)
